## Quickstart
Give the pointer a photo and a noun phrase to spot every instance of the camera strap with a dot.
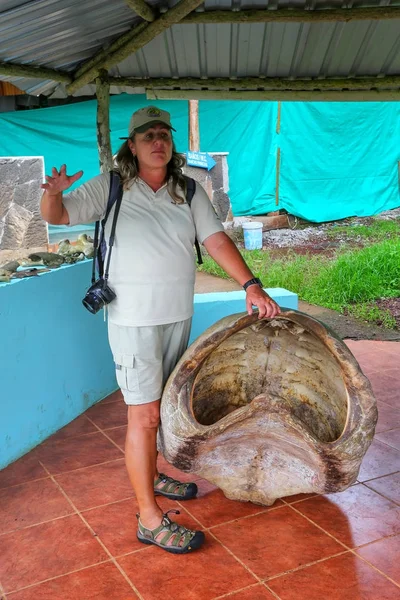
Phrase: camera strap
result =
(111, 239)
(95, 249)
(113, 192)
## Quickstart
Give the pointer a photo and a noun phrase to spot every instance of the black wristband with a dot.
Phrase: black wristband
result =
(253, 281)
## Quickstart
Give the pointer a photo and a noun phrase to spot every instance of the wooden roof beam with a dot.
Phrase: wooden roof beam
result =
(99, 58)
(13, 70)
(287, 15)
(278, 95)
(391, 82)
(174, 15)
(142, 9)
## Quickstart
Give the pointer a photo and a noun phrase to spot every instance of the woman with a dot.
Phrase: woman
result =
(152, 272)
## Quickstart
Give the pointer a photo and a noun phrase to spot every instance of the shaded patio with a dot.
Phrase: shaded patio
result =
(67, 521)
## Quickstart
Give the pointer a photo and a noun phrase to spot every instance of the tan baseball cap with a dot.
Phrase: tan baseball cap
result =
(145, 117)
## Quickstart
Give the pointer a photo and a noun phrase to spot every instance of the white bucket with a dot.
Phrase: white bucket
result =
(252, 232)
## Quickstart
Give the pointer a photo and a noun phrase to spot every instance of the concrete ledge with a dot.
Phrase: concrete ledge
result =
(209, 308)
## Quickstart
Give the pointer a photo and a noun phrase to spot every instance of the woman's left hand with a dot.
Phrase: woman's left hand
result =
(267, 307)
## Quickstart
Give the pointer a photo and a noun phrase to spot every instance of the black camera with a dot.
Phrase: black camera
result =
(97, 296)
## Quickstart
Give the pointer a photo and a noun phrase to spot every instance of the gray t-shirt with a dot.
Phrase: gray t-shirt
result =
(152, 267)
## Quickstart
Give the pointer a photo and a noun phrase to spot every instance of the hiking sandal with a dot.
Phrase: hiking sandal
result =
(182, 540)
(173, 489)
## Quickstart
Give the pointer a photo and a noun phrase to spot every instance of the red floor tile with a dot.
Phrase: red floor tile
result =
(354, 517)
(25, 469)
(114, 397)
(102, 582)
(276, 541)
(360, 515)
(118, 436)
(385, 556)
(116, 524)
(108, 414)
(340, 578)
(386, 386)
(77, 427)
(385, 362)
(29, 503)
(388, 486)
(391, 438)
(201, 575)
(377, 356)
(47, 550)
(359, 347)
(78, 452)
(297, 498)
(355, 344)
(255, 592)
(164, 467)
(379, 460)
(388, 417)
(97, 485)
(211, 507)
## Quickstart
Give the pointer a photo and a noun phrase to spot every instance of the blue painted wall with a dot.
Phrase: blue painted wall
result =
(54, 356)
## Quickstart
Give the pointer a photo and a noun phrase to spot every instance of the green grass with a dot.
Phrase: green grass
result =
(350, 282)
(372, 314)
(378, 230)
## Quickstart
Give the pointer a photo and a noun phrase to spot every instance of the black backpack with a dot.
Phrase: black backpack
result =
(116, 192)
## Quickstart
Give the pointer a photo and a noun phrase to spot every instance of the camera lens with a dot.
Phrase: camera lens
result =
(97, 296)
(92, 304)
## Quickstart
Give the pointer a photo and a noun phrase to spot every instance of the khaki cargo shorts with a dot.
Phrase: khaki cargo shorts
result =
(146, 356)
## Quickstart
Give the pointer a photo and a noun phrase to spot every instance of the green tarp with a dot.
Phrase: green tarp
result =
(337, 159)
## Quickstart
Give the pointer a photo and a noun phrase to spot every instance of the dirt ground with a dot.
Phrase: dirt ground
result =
(347, 327)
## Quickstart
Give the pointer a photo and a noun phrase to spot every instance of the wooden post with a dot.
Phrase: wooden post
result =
(194, 132)
(103, 122)
(278, 167)
(278, 118)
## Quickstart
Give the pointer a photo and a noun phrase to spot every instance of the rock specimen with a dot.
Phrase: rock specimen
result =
(267, 409)
(67, 254)
(83, 245)
(21, 225)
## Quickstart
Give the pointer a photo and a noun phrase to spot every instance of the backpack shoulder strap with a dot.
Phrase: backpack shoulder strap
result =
(190, 192)
(190, 189)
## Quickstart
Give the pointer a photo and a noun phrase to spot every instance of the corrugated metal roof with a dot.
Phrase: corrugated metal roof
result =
(270, 50)
(62, 34)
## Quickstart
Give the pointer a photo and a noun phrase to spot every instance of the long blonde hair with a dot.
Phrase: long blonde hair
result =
(128, 169)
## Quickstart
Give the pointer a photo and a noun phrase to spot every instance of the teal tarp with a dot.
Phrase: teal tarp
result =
(337, 159)
(246, 131)
(67, 134)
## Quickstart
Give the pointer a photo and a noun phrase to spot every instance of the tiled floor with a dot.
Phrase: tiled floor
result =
(67, 522)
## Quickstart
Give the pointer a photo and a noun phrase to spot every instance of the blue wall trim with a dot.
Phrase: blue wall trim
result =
(210, 308)
(55, 359)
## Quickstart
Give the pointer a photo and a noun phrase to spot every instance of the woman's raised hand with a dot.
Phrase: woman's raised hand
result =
(59, 180)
